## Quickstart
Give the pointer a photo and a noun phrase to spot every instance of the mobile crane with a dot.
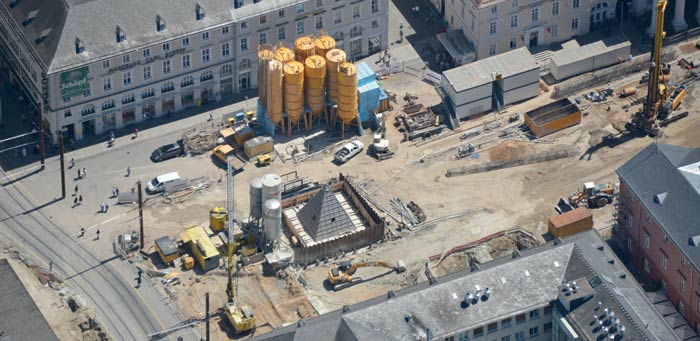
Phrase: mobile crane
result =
(344, 272)
(239, 315)
(663, 96)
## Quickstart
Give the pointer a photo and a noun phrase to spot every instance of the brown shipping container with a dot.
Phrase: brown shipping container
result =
(553, 117)
(571, 222)
(256, 146)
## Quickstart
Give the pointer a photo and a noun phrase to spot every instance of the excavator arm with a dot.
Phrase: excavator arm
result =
(345, 270)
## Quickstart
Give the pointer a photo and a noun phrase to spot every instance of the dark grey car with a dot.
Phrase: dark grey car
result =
(168, 151)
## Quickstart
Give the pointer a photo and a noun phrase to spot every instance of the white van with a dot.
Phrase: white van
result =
(158, 183)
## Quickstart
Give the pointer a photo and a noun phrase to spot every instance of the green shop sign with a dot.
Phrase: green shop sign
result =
(74, 82)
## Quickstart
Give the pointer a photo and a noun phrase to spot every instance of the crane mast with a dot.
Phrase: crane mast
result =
(654, 100)
(229, 214)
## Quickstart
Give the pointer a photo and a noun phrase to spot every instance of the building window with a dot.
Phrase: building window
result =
(338, 16)
(146, 72)
(300, 8)
(319, 22)
(281, 33)
(535, 314)
(513, 43)
(492, 327)
(683, 261)
(647, 217)
(67, 113)
(520, 336)
(126, 59)
(226, 70)
(244, 64)
(244, 25)
(127, 78)
(555, 8)
(167, 87)
(148, 93)
(548, 310)
(478, 332)
(108, 104)
(681, 307)
(493, 28)
(121, 36)
(554, 30)
(682, 283)
(374, 44)
(663, 261)
(166, 47)
(107, 84)
(494, 9)
(577, 3)
(187, 81)
(186, 61)
(375, 6)
(128, 99)
(520, 319)
(146, 53)
(535, 14)
(224, 30)
(492, 49)
(66, 99)
(375, 23)
(646, 240)
(300, 27)
(262, 37)
(665, 239)
(506, 323)
(205, 56)
(463, 336)
(263, 19)
(514, 3)
(506, 338)
(646, 265)
(166, 67)
(547, 327)
(355, 11)
(206, 75)
(319, 3)
(534, 331)
(514, 21)
(244, 44)
(225, 50)
(629, 244)
(280, 14)
(105, 64)
(186, 41)
(574, 24)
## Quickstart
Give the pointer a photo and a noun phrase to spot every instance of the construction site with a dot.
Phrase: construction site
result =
(349, 180)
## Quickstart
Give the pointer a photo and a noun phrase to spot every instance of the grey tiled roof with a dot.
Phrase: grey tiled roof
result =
(324, 217)
(654, 171)
(439, 307)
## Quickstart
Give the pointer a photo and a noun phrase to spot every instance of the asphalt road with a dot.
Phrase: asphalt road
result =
(47, 229)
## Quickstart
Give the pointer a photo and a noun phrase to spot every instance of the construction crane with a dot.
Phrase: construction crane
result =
(344, 272)
(240, 315)
(662, 96)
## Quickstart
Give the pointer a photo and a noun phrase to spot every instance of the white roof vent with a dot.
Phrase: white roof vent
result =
(30, 17)
(44, 34)
(694, 241)
(527, 273)
(660, 198)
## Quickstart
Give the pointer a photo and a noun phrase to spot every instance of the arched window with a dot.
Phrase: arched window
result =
(206, 75)
(187, 81)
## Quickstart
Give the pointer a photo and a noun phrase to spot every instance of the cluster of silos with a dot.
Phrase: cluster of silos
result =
(308, 78)
(266, 204)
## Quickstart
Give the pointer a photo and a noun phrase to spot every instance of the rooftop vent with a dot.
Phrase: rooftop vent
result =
(13, 3)
(487, 293)
(468, 297)
(346, 308)
(30, 17)
(160, 23)
(660, 198)
(516, 254)
(42, 36)
(527, 273)
(390, 294)
(408, 317)
(557, 241)
(79, 47)
(301, 323)
(200, 12)
(694, 241)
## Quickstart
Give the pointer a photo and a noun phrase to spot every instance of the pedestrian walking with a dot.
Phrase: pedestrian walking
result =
(71, 163)
(98, 235)
(82, 231)
(80, 199)
(102, 207)
(128, 171)
(80, 174)
(75, 192)
(112, 135)
(114, 192)
(138, 282)
(24, 152)
(75, 202)
(136, 132)
(211, 117)
(106, 207)
(84, 172)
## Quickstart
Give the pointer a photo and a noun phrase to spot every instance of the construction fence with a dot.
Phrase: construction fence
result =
(607, 75)
(489, 166)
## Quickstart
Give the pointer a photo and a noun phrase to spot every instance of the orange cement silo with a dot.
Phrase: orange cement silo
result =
(274, 93)
(347, 95)
(284, 54)
(304, 48)
(265, 55)
(334, 58)
(324, 43)
(314, 86)
(294, 94)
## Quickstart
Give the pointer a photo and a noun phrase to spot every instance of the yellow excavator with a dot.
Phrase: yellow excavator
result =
(663, 96)
(593, 195)
(239, 315)
(343, 273)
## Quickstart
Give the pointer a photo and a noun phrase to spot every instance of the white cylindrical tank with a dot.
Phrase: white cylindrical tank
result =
(256, 201)
(273, 219)
(271, 184)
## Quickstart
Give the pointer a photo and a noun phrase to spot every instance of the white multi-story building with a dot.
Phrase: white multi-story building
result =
(95, 66)
(496, 26)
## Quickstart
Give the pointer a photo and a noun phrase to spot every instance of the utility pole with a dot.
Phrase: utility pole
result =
(63, 169)
(206, 314)
(138, 185)
(41, 137)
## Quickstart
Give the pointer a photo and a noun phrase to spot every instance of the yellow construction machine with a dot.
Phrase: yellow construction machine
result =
(239, 315)
(663, 96)
(344, 272)
(593, 195)
(264, 160)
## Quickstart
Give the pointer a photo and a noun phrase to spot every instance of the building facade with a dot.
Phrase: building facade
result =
(658, 222)
(496, 26)
(106, 64)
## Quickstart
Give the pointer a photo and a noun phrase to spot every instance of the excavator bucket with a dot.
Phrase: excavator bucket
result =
(563, 206)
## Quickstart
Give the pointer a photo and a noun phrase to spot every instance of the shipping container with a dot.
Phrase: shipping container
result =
(256, 146)
(553, 117)
(571, 222)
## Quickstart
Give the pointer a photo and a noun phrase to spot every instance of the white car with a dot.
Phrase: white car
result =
(348, 151)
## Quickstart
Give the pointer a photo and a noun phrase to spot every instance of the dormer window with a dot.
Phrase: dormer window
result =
(160, 22)
(121, 35)
(30, 17)
(13, 3)
(79, 47)
(200, 12)
(42, 36)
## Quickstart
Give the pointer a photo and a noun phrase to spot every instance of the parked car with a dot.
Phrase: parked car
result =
(168, 151)
(349, 150)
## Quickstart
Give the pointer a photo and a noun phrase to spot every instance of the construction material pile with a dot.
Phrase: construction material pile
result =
(410, 213)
